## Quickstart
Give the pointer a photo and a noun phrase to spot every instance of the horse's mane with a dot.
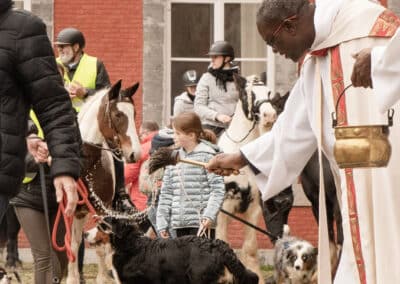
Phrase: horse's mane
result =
(94, 99)
(246, 100)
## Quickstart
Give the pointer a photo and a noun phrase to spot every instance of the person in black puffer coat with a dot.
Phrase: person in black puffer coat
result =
(29, 79)
(29, 208)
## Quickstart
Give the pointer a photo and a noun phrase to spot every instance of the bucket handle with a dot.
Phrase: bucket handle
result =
(390, 112)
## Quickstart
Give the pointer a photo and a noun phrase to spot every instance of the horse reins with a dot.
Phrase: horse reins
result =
(116, 152)
(265, 232)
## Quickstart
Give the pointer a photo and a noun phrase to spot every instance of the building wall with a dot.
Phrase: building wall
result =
(113, 32)
(394, 5)
(154, 85)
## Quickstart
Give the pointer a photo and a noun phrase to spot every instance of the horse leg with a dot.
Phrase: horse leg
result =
(76, 238)
(249, 255)
(223, 220)
(276, 212)
(101, 253)
(109, 253)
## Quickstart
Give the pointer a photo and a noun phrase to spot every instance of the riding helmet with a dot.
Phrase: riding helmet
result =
(70, 36)
(222, 48)
(190, 78)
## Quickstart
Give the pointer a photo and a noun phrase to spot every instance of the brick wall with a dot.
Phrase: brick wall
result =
(301, 222)
(114, 33)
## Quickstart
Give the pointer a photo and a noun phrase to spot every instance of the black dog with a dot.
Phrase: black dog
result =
(189, 259)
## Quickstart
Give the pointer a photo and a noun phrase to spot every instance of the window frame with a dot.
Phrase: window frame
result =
(219, 34)
(28, 5)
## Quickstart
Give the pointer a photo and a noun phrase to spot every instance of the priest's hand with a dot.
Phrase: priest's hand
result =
(226, 164)
(361, 76)
(164, 234)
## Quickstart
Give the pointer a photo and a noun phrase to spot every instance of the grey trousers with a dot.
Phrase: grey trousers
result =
(34, 225)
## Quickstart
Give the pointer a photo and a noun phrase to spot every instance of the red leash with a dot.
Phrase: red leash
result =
(84, 200)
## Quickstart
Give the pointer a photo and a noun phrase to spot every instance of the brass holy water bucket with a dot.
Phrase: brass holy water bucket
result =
(363, 146)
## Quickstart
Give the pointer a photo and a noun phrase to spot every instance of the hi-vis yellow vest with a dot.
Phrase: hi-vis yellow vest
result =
(85, 74)
(30, 176)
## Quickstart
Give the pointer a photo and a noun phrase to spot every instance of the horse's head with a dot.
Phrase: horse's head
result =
(116, 119)
(256, 102)
(263, 109)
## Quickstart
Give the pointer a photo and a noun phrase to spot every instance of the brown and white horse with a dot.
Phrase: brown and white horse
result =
(107, 127)
(255, 114)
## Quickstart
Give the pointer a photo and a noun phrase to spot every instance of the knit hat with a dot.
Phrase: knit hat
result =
(163, 138)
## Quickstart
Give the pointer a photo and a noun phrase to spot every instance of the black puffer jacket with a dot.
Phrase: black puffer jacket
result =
(29, 79)
(31, 193)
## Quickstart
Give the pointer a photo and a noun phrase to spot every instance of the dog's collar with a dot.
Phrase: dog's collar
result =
(286, 245)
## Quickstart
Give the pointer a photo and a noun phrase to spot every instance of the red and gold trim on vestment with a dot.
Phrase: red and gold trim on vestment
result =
(385, 25)
(337, 88)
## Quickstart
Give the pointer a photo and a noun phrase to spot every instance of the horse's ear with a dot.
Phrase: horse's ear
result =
(129, 92)
(114, 91)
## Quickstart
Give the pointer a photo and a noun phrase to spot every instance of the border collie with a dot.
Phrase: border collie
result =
(295, 260)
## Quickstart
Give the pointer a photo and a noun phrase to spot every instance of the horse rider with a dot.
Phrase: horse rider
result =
(83, 74)
(216, 93)
(185, 101)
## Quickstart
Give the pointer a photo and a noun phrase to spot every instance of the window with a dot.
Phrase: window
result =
(23, 4)
(195, 24)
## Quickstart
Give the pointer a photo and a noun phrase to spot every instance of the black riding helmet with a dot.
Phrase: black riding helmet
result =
(223, 48)
(190, 78)
(70, 36)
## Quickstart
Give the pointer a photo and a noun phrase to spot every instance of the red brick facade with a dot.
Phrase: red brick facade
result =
(301, 221)
(113, 32)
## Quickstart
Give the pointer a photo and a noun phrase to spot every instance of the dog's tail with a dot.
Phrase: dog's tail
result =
(286, 230)
(235, 266)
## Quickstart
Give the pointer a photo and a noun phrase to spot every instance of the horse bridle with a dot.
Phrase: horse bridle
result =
(255, 117)
(115, 142)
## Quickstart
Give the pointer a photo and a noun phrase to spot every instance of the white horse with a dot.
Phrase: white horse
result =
(254, 115)
(107, 127)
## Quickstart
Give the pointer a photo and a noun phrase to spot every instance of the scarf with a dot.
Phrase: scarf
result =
(191, 97)
(223, 75)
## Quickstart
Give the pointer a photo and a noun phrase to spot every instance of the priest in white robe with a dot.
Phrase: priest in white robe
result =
(331, 32)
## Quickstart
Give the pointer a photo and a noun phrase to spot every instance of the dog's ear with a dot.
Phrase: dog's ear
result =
(315, 251)
(290, 255)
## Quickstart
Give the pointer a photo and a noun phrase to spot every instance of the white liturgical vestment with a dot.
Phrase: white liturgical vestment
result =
(370, 198)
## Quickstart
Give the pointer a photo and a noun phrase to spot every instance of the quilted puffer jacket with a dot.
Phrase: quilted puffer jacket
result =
(29, 79)
(190, 192)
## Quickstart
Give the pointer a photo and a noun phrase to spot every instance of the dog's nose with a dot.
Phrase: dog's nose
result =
(85, 235)
(297, 267)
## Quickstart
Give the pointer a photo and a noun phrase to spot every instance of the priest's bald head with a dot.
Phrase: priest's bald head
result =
(287, 26)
